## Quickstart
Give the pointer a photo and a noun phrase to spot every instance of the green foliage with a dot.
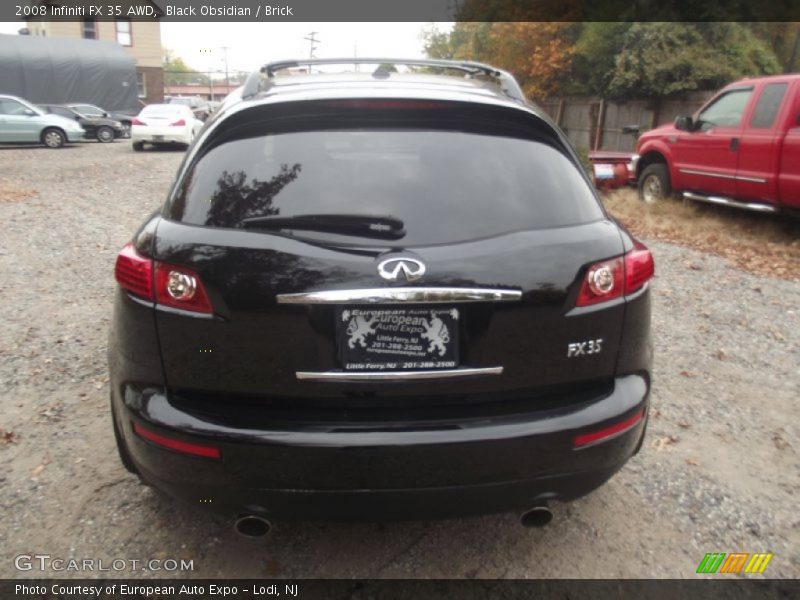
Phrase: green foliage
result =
(596, 51)
(177, 72)
(664, 59)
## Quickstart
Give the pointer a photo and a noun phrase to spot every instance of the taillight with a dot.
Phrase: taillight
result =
(134, 272)
(614, 278)
(181, 288)
(176, 445)
(603, 282)
(639, 267)
(177, 287)
(135, 121)
(179, 123)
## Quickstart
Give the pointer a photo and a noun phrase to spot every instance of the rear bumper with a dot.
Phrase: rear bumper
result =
(160, 135)
(401, 471)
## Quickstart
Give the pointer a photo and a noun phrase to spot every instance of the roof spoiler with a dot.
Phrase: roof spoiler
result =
(260, 81)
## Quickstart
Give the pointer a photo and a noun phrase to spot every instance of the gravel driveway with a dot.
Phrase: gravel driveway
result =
(719, 471)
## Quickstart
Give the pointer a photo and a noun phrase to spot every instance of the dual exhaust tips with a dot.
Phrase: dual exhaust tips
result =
(254, 526)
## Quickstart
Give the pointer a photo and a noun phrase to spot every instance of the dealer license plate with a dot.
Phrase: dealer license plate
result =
(398, 339)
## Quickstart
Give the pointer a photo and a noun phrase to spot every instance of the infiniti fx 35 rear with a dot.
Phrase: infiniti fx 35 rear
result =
(380, 297)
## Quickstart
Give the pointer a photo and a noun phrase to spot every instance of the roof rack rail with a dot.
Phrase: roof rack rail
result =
(255, 82)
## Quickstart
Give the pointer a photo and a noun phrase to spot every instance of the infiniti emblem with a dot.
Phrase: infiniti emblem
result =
(391, 268)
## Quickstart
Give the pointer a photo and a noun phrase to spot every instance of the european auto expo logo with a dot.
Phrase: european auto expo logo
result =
(720, 562)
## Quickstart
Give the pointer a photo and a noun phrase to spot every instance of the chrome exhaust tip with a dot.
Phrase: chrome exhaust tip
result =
(538, 516)
(252, 526)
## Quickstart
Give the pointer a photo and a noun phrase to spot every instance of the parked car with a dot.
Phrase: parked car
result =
(22, 122)
(97, 128)
(199, 105)
(741, 149)
(90, 110)
(164, 124)
(379, 298)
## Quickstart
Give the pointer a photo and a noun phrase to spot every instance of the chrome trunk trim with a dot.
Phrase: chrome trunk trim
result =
(397, 295)
(368, 376)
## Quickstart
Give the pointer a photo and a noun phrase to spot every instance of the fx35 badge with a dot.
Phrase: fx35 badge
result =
(584, 348)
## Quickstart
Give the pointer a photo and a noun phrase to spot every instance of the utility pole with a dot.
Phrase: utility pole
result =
(227, 80)
(312, 41)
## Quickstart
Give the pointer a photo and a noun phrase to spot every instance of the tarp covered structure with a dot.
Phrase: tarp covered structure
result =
(60, 70)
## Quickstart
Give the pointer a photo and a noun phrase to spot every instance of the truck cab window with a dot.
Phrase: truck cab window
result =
(725, 111)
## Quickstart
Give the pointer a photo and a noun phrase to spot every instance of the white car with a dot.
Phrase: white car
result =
(164, 124)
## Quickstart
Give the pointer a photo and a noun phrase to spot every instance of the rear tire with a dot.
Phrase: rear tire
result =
(654, 185)
(138, 146)
(105, 135)
(53, 138)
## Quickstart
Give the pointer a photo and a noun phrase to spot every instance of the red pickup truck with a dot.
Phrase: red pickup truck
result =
(741, 149)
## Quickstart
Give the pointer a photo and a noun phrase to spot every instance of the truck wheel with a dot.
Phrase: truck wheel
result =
(53, 138)
(138, 146)
(654, 183)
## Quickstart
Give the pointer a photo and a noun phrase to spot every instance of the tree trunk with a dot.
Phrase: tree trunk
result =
(789, 67)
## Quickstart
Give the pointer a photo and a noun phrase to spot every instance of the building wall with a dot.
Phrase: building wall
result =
(146, 37)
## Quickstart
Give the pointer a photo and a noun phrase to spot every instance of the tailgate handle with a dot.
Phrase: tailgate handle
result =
(399, 295)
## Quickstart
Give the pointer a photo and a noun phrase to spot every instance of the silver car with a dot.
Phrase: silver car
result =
(22, 122)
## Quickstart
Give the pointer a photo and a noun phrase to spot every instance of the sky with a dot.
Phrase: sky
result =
(250, 45)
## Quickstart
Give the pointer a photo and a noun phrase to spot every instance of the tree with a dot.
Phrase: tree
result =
(663, 59)
(177, 72)
(537, 53)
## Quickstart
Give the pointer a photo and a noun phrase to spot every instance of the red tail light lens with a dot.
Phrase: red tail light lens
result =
(176, 445)
(136, 121)
(613, 278)
(639, 268)
(181, 288)
(601, 435)
(603, 282)
(179, 123)
(134, 272)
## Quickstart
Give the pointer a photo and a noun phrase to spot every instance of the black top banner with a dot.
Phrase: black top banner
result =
(407, 10)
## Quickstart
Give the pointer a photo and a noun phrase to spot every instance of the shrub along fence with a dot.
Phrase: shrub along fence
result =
(596, 124)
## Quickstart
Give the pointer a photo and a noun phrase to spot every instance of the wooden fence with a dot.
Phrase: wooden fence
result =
(596, 124)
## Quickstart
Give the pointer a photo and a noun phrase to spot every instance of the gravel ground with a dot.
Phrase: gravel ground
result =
(718, 473)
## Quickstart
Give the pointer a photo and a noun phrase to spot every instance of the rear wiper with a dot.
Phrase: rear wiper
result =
(372, 226)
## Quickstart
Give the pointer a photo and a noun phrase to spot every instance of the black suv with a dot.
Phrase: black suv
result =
(380, 296)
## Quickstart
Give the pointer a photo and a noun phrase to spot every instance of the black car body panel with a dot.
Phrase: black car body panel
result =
(260, 377)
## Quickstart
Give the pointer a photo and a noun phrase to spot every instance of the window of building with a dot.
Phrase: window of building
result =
(141, 85)
(89, 29)
(124, 33)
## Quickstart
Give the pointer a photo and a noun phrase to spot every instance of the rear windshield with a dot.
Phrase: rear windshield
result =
(446, 186)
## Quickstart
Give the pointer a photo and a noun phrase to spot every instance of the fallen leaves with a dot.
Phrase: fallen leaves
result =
(778, 440)
(7, 436)
(762, 244)
(10, 192)
(688, 373)
(38, 469)
(663, 443)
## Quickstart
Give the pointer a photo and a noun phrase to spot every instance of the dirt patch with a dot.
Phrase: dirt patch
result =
(763, 244)
(10, 192)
